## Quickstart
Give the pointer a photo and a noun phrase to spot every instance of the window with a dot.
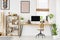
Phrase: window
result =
(42, 5)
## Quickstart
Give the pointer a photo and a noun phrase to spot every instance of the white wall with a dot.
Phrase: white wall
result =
(58, 16)
(52, 7)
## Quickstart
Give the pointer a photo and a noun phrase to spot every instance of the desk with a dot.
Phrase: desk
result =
(33, 29)
(37, 25)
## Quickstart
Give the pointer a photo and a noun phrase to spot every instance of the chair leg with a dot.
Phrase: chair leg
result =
(40, 35)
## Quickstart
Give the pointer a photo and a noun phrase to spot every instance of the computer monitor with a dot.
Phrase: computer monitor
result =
(35, 18)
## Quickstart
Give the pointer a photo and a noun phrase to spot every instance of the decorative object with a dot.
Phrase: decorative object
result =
(25, 6)
(47, 18)
(5, 4)
(0, 33)
(29, 22)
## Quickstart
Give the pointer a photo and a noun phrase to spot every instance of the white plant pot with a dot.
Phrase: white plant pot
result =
(22, 21)
(51, 21)
(54, 36)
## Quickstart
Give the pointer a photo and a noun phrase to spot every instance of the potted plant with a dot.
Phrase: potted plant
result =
(41, 17)
(54, 30)
(51, 18)
(22, 19)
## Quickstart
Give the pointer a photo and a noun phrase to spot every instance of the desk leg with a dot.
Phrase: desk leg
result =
(21, 28)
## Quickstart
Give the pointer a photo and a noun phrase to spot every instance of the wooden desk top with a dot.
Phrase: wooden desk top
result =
(36, 24)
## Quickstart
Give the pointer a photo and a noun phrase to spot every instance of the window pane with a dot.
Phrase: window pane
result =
(42, 4)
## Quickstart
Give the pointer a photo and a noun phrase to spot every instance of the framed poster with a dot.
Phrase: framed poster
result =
(5, 4)
(25, 6)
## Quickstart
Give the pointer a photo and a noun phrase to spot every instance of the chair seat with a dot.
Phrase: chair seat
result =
(41, 29)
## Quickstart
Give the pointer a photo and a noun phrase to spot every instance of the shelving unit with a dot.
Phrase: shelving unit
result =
(12, 25)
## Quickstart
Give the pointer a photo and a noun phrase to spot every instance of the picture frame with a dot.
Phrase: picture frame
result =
(5, 5)
(25, 6)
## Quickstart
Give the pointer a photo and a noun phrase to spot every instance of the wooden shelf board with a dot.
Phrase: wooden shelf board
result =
(42, 9)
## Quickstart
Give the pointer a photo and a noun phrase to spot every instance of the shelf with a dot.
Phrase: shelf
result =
(42, 10)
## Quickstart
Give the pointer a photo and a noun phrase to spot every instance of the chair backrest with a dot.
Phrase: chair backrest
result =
(42, 27)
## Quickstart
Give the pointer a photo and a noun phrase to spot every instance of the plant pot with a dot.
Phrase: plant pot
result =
(22, 21)
(54, 36)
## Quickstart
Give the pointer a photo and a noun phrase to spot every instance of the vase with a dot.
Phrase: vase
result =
(22, 21)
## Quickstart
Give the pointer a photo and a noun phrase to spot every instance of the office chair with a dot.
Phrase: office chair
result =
(41, 29)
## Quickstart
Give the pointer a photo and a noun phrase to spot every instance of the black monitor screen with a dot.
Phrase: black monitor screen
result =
(35, 18)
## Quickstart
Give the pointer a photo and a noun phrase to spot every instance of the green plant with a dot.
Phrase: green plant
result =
(54, 29)
(50, 16)
(22, 18)
(41, 17)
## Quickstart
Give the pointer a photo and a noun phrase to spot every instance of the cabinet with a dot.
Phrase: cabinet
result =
(12, 25)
